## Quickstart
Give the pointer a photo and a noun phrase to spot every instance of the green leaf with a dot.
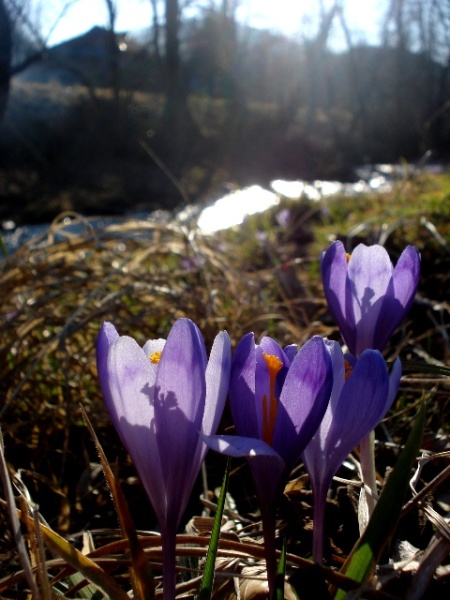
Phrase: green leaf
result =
(3, 248)
(208, 573)
(281, 573)
(88, 592)
(423, 367)
(365, 555)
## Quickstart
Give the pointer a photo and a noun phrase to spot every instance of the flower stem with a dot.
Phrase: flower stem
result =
(268, 522)
(169, 564)
(367, 456)
(319, 504)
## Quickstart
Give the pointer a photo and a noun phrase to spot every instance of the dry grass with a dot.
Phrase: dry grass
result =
(142, 275)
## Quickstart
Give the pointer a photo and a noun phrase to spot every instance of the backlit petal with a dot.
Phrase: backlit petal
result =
(400, 296)
(406, 276)
(337, 290)
(239, 446)
(359, 408)
(217, 382)
(179, 404)
(304, 399)
(131, 385)
(106, 337)
(369, 272)
(315, 454)
(242, 387)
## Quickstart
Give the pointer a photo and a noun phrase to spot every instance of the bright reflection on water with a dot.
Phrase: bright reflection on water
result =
(233, 208)
(319, 189)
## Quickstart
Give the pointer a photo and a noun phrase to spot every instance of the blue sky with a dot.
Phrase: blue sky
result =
(292, 17)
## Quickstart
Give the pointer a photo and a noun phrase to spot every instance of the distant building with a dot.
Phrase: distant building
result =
(84, 59)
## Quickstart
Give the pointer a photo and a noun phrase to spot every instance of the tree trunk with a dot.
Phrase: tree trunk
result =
(178, 128)
(113, 54)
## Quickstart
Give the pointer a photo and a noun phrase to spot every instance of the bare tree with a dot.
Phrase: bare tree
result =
(423, 27)
(316, 51)
(5, 57)
(113, 51)
(156, 29)
(177, 126)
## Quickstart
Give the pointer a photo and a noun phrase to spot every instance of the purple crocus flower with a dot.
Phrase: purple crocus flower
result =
(367, 296)
(162, 398)
(363, 392)
(277, 400)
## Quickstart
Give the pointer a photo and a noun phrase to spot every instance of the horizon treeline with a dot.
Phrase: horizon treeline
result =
(215, 101)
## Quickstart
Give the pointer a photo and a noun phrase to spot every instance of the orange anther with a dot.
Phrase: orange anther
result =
(155, 357)
(270, 407)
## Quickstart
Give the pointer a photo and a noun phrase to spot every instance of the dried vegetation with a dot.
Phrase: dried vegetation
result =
(262, 277)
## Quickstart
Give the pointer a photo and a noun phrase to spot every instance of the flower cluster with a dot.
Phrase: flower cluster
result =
(314, 403)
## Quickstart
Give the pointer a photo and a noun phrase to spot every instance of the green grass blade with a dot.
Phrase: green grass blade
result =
(3, 247)
(381, 526)
(422, 367)
(87, 592)
(208, 573)
(281, 573)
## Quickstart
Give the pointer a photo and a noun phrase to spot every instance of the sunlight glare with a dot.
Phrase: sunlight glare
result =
(232, 209)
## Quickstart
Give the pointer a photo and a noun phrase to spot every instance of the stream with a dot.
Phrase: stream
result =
(231, 210)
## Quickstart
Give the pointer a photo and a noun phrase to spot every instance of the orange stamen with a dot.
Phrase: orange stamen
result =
(348, 369)
(270, 407)
(348, 256)
(155, 358)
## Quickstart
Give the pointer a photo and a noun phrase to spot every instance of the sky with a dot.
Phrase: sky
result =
(291, 17)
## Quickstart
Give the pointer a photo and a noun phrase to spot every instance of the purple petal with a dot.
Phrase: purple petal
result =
(106, 337)
(358, 409)
(314, 455)
(269, 346)
(400, 296)
(129, 400)
(333, 267)
(355, 408)
(291, 352)
(242, 387)
(364, 400)
(369, 273)
(180, 380)
(268, 384)
(394, 382)
(154, 346)
(238, 446)
(406, 276)
(179, 405)
(304, 399)
(338, 366)
(217, 382)
(130, 381)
